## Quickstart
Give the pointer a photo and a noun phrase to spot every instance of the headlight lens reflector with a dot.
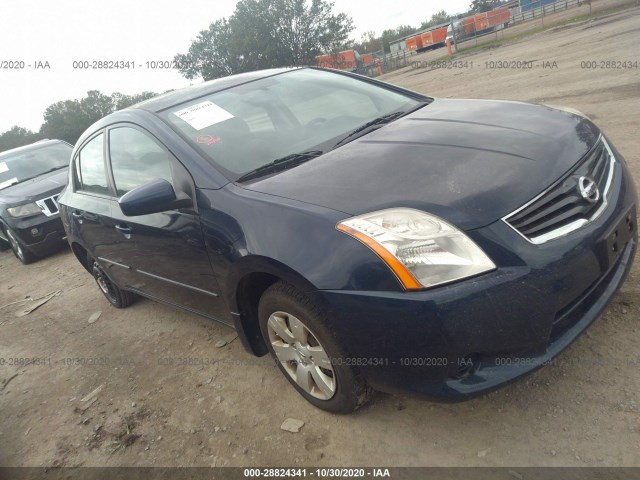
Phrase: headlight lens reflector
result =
(24, 210)
(422, 249)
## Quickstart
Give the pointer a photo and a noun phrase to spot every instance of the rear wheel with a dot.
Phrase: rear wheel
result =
(298, 337)
(19, 250)
(115, 295)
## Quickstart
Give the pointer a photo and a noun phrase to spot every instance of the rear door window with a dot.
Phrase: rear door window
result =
(91, 174)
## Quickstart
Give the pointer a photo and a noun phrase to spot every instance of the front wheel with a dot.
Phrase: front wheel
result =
(4, 245)
(115, 295)
(19, 250)
(297, 335)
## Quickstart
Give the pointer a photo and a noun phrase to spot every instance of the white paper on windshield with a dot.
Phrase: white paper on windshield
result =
(3, 167)
(8, 183)
(203, 115)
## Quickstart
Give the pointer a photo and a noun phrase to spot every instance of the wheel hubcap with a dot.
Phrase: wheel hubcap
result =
(302, 355)
(103, 284)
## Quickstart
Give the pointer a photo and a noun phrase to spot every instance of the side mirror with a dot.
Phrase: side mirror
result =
(153, 197)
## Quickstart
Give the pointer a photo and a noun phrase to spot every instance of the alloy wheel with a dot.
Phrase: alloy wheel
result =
(302, 355)
(104, 283)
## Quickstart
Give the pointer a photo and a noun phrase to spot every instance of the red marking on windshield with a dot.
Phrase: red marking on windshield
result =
(208, 139)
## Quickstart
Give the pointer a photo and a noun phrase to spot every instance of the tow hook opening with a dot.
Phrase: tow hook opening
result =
(466, 366)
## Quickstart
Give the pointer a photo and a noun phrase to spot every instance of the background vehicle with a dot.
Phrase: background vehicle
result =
(31, 178)
(366, 236)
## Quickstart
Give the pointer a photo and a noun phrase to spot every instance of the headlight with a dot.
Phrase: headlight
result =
(24, 210)
(422, 250)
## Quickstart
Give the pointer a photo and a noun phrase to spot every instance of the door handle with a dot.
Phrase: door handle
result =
(124, 230)
(78, 216)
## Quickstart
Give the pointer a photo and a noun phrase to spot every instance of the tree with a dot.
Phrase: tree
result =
(436, 19)
(391, 35)
(17, 137)
(67, 120)
(211, 55)
(439, 17)
(368, 43)
(404, 30)
(120, 100)
(479, 6)
(306, 31)
(265, 34)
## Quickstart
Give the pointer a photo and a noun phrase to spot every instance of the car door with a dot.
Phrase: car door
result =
(161, 255)
(92, 198)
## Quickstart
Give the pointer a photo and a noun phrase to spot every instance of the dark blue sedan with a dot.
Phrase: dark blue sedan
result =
(366, 236)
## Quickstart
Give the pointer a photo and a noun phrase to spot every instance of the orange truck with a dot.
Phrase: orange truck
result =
(480, 23)
(349, 60)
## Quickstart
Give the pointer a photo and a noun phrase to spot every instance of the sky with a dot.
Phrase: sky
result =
(58, 33)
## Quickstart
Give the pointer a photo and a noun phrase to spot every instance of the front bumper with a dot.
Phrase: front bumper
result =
(464, 339)
(50, 237)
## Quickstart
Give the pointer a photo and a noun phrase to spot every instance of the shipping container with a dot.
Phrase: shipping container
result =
(478, 24)
(432, 38)
(414, 43)
(367, 59)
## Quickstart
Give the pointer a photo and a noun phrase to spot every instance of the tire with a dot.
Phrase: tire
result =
(4, 245)
(312, 355)
(115, 295)
(19, 250)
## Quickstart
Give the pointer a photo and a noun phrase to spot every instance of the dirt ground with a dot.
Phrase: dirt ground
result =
(583, 410)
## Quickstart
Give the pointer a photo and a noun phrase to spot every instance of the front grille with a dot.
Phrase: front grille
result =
(49, 206)
(570, 203)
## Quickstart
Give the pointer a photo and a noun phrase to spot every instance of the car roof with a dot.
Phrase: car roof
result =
(176, 97)
(32, 146)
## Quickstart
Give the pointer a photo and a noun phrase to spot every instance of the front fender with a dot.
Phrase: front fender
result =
(247, 231)
(260, 265)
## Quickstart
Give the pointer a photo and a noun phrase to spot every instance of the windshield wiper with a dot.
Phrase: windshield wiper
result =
(280, 164)
(378, 122)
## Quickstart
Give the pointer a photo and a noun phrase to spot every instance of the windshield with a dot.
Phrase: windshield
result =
(247, 127)
(24, 165)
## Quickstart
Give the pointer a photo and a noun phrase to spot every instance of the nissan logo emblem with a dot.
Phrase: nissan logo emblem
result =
(588, 189)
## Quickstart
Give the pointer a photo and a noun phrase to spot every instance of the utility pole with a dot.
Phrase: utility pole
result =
(453, 34)
(384, 54)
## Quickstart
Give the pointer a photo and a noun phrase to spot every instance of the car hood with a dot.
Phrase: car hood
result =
(470, 162)
(41, 187)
